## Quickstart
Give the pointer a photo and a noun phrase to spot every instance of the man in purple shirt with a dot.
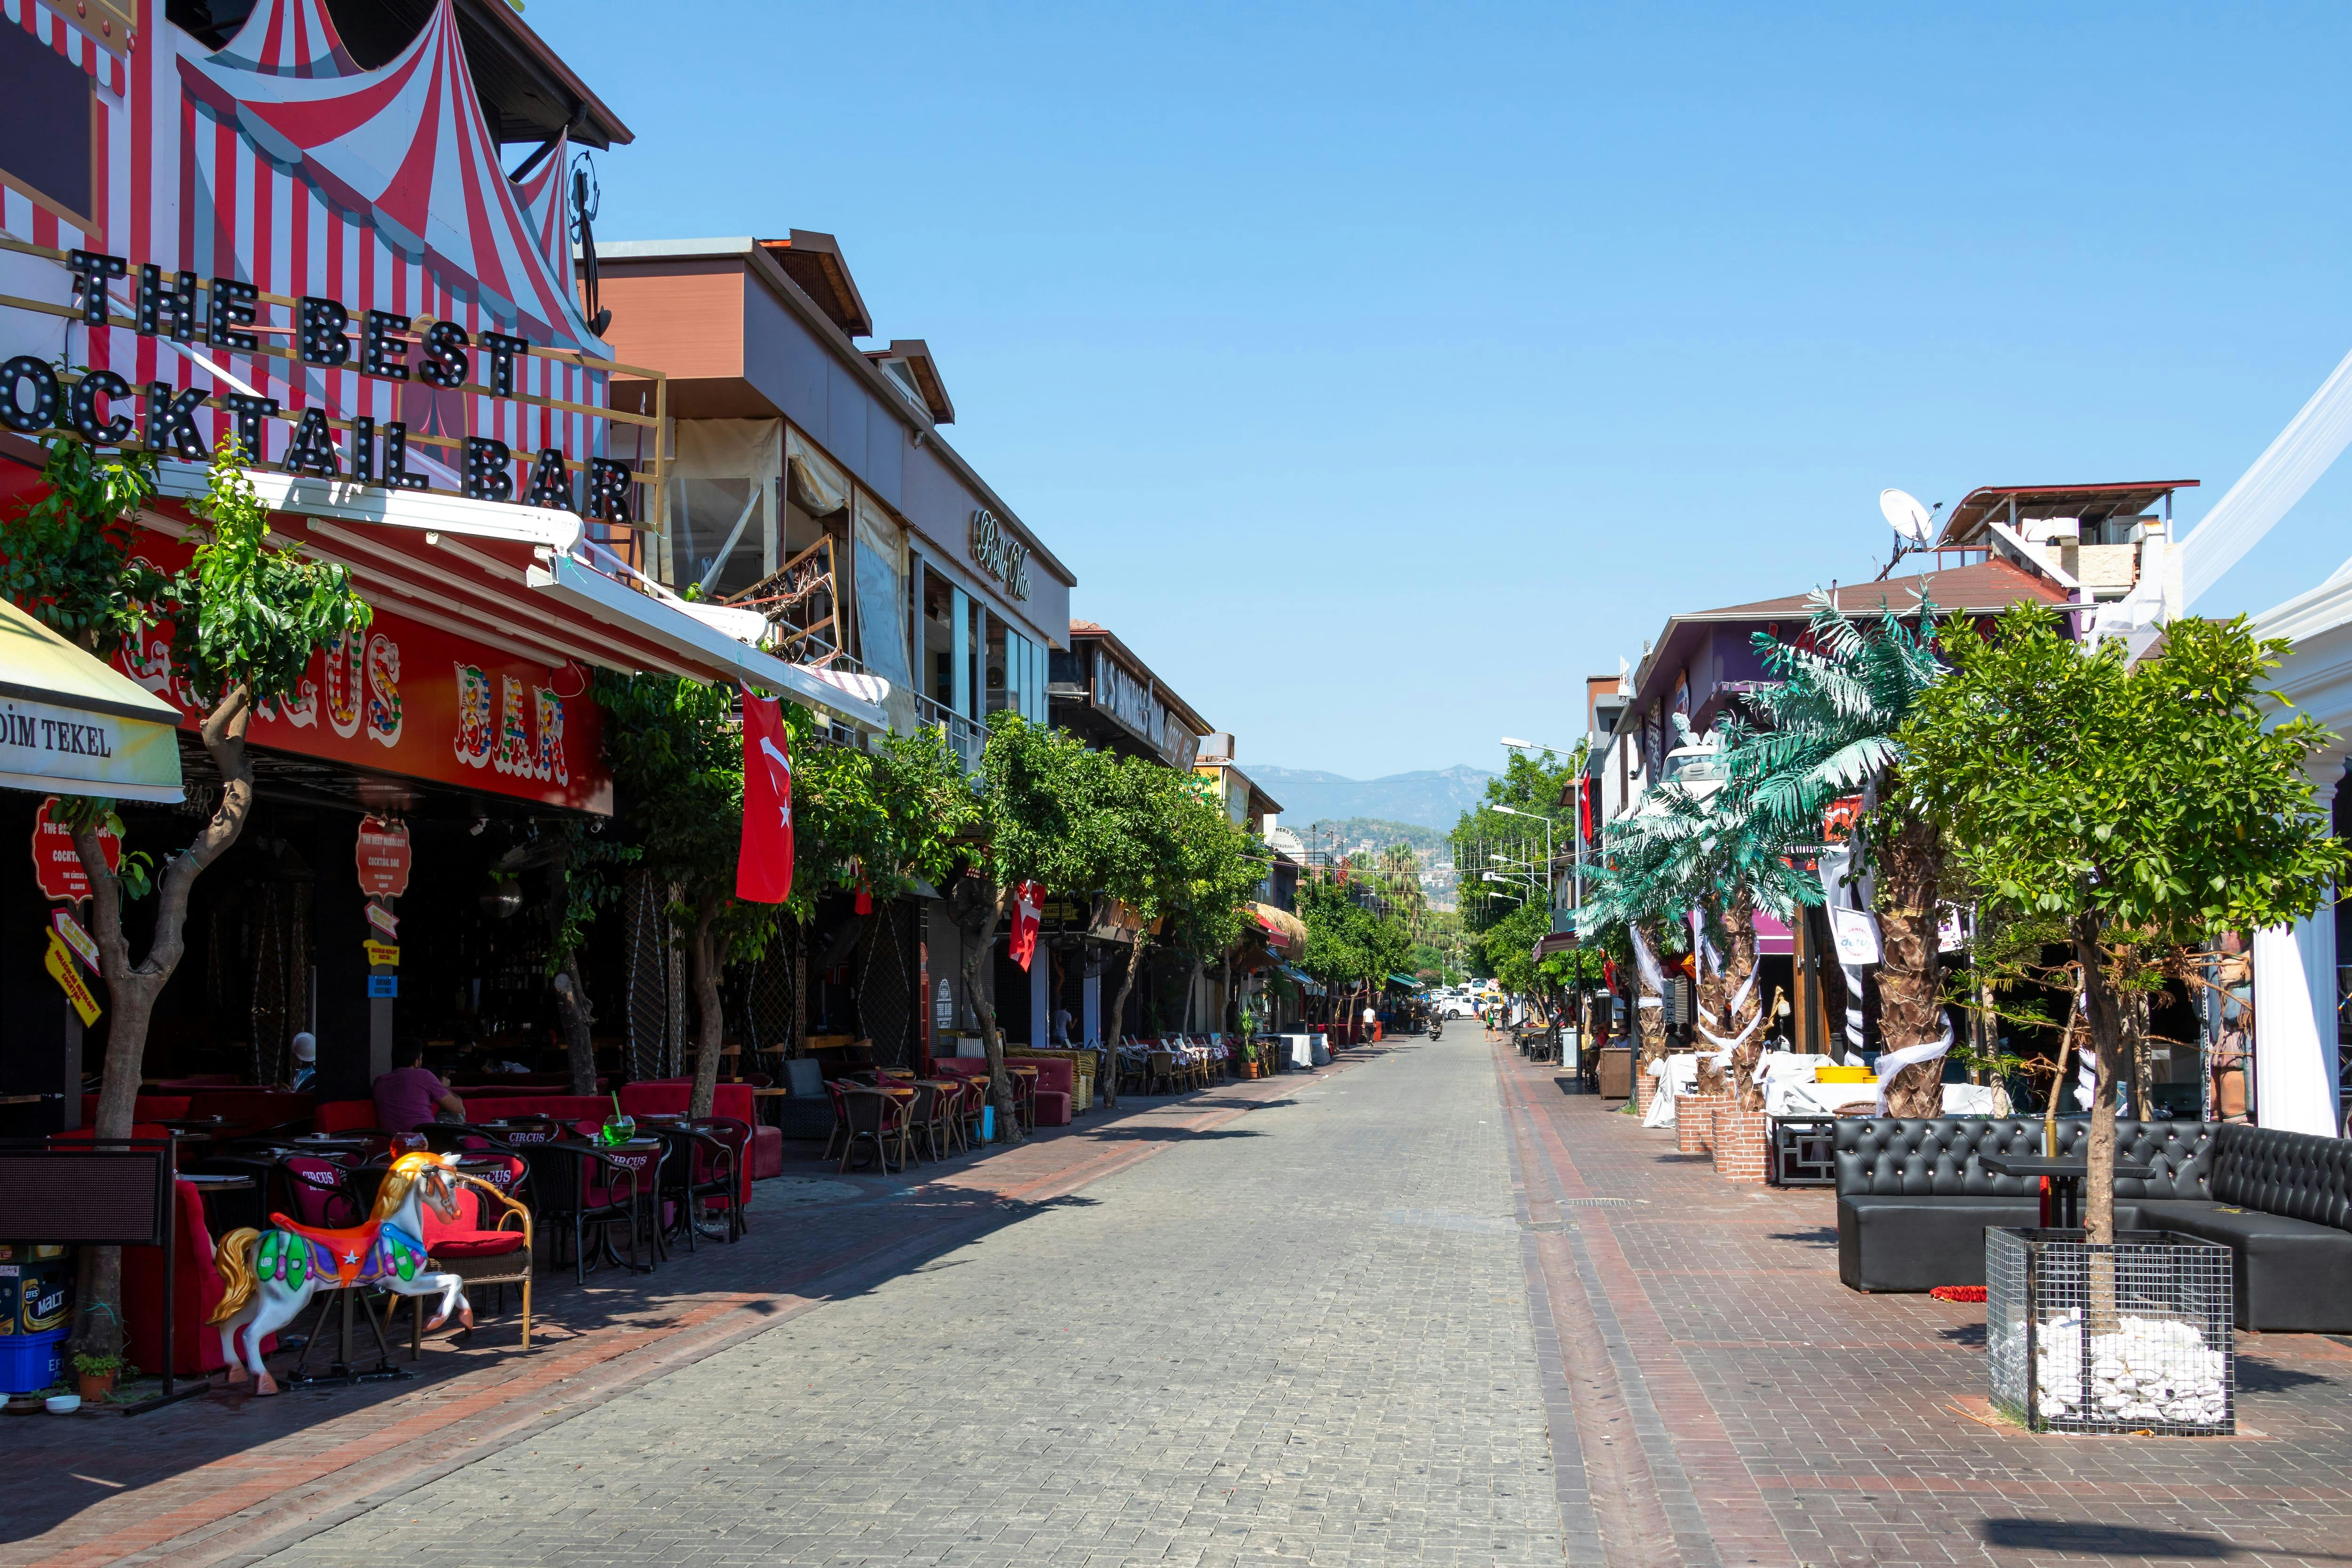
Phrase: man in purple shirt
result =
(407, 1097)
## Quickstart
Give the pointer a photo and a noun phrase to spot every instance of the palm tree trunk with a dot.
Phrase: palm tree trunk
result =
(1910, 1002)
(1740, 970)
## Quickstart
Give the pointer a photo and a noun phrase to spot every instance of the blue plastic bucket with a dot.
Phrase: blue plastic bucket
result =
(987, 1124)
(30, 1362)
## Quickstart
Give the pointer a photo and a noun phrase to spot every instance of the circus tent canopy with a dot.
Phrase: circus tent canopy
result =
(407, 146)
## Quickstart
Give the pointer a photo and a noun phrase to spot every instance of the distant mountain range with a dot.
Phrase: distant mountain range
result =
(1429, 799)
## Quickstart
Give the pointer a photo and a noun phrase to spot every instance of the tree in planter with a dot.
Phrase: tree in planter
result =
(246, 617)
(1200, 869)
(2143, 806)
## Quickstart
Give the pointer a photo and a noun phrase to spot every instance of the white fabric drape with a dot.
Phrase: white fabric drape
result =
(2295, 1086)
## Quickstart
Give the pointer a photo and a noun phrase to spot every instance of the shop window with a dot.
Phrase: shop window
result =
(48, 128)
(718, 534)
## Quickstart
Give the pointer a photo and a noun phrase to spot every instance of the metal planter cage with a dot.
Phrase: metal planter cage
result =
(2158, 1356)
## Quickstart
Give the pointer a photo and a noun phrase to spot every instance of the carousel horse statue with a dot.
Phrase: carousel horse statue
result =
(269, 1276)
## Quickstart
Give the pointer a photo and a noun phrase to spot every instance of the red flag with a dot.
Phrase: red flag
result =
(764, 870)
(1028, 906)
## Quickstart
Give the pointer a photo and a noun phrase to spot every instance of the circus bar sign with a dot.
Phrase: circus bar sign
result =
(99, 406)
(328, 264)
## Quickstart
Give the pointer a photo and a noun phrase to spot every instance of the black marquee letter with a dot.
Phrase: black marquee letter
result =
(91, 272)
(16, 373)
(232, 309)
(608, 491)
(83, 410)
(489, 468)
(503, 350)
(550, 485)
(395, 457)
(312, 449)
(170, 421)
(362, 449)
(444, 355)
(251, 412)
(324, 322)
(382, 347)
(177, 302)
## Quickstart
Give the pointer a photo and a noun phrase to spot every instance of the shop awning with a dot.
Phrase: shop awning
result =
(1305, 981)
(1407, 981)
(513, 577)
(1286, 932)
(70, 725)
(1559, 942)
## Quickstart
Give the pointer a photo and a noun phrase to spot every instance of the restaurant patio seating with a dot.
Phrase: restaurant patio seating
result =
(876, 1119)
(589, 1188)
(704, 1170)
(479, 1254)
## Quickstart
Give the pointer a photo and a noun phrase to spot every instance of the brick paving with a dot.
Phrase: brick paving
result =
(1772, 1416)
(1427, 1307)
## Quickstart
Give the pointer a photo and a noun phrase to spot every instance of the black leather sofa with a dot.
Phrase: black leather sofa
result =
(1914, 1200)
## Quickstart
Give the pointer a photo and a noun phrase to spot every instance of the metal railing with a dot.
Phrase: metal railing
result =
(966, 737)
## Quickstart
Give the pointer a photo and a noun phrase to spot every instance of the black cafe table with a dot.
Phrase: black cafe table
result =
(2065, 1180)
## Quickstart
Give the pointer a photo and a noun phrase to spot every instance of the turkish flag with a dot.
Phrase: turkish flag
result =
(764, 870)
(1028, 906)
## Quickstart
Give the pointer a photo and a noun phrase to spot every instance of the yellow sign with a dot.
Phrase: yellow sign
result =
(383, 954)
(60, 961)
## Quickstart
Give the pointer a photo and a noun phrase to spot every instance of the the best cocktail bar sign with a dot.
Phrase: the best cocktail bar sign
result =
(219, 315)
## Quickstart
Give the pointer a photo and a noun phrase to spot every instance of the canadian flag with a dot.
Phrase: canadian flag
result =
(764, 870)
(1028, 908)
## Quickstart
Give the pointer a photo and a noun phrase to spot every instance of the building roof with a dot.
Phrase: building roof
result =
(527, 93)
(1092, 631)
(1985, 587)
(2092, 503)
(910, 360)
(813, 261)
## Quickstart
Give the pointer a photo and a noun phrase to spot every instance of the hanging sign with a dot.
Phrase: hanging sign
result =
(1028, 902)
(1857, 936)
(57, 864)
(382, 857)
(60, 962)
(84, 945)
(384, 920)
(383, 954)
(943, 1008)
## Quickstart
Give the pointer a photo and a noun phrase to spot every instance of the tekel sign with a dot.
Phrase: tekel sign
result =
(382, 857)
(57, 864)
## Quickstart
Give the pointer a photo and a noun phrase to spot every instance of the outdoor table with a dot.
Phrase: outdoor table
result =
(512, 1133)
(580, 1149)
(211, 1187)
(325, 1143)
(776, 1117)
(2065, 1180)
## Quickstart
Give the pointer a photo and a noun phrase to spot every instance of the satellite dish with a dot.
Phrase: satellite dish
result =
(1905, 516)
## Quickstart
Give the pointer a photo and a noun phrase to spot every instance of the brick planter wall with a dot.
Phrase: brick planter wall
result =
(1695, 1122)
(1739, 1145)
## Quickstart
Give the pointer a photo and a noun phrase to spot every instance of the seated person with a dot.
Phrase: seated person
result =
(306, 1062)
(411, 1094)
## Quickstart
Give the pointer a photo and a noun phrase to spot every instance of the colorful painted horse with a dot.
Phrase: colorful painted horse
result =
(271, 1276)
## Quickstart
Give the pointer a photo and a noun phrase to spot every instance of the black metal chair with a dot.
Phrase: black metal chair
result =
(585, 1188)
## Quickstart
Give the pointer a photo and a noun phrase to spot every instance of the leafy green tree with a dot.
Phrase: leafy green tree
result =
(876, 819)
(1048, 811)
(246, 617)
(2144, 806)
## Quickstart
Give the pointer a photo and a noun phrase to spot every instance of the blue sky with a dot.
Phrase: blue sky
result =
(1381, 369)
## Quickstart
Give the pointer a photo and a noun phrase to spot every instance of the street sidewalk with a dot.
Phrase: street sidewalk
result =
(1719, 1397)
(229, 1478)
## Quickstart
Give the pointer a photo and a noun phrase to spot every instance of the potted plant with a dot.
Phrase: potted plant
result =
(96, 1375)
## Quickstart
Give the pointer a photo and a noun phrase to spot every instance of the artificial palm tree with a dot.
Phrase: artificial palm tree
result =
(1825, 731)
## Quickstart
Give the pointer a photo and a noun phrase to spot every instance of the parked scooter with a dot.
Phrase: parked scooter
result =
(1436, 1025)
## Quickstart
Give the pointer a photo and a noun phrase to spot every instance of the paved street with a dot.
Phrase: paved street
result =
(1304, 1338)
(1425, 1307)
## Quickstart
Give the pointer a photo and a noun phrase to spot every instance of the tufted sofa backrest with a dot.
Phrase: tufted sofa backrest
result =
(2296, 1175)
(1943, 1156)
